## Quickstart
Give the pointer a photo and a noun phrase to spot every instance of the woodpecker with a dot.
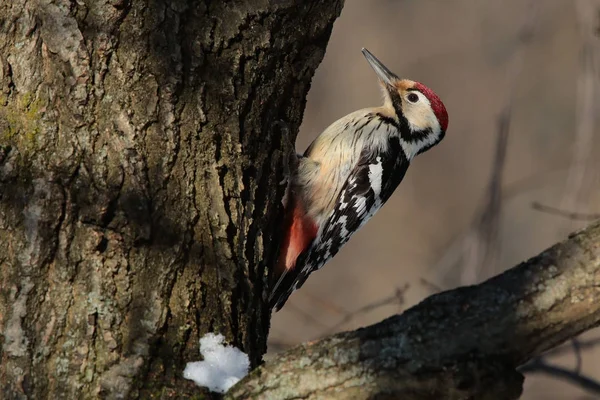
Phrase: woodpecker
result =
(349, 171)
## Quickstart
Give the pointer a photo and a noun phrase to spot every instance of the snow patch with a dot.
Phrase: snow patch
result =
(223, 365)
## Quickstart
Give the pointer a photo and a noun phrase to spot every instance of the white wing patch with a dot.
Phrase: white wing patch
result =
(375, 176)
(360, 204)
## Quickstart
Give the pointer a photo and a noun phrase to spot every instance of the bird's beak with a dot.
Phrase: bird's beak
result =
(386, 76)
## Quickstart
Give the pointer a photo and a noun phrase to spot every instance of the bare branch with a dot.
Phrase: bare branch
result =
(481, 244)
(579, 182)
(463, 343)
(538, 365)
(306, 316)
(432, 287)
(562, 213)
(581, 345)
(574, 376)
(396, 298)
(577, 352)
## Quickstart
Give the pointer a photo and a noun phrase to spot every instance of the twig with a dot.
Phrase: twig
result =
(450, 258)
(577, 352)
(481, 244)
(575, 216)
(396, 298)
(578, 180)
(432, 287)
(307, 316)
(323, 304)
(538, 365)
(581, 344)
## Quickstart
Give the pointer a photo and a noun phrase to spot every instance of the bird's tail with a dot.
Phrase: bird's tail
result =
(299, 232)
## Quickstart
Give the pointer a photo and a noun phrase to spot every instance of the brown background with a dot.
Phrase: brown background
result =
(471, 53)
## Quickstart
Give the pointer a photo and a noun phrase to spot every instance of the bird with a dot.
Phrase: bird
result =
(349, 171)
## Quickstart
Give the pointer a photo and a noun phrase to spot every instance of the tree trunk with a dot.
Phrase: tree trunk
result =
(139, 183)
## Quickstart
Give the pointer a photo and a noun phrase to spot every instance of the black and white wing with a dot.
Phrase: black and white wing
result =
(367, 188)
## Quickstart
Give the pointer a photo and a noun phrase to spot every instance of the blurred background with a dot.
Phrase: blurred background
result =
(520, 82)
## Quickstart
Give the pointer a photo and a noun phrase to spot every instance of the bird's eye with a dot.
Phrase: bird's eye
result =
(412, 97)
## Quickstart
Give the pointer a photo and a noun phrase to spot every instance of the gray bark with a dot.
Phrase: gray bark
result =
(462, 344)
(139, 184)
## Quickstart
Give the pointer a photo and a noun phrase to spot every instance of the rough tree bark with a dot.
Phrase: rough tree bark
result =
(462, 344)
(139, 193)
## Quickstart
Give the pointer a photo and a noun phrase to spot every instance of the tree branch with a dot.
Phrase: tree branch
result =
(463, 343)
(572, 215)
(538, 365)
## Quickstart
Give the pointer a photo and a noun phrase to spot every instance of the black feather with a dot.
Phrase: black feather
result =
(356, 203)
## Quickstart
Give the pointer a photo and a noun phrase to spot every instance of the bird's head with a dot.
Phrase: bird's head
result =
(421, 116)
